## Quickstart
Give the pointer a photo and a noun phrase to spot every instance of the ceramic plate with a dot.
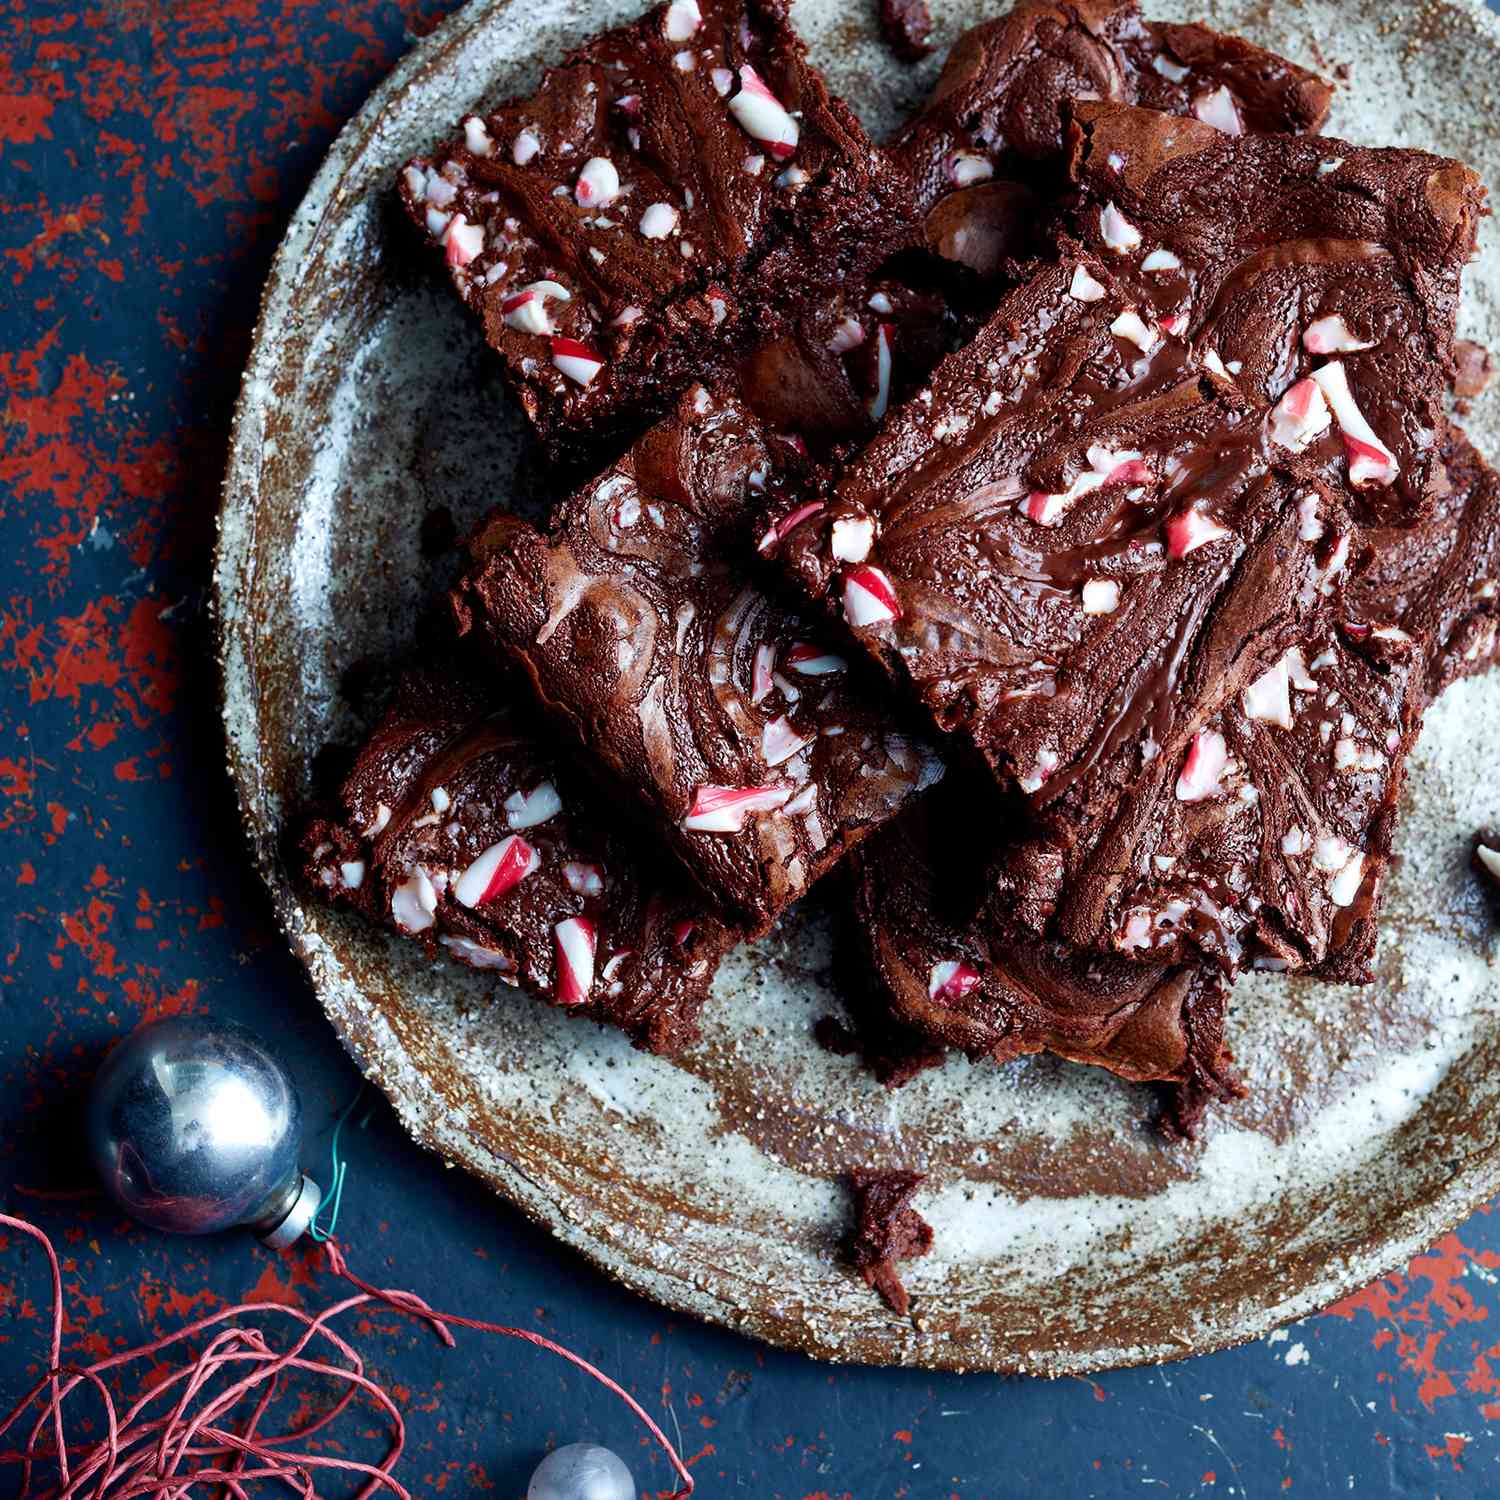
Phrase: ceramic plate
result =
(1069, 1237)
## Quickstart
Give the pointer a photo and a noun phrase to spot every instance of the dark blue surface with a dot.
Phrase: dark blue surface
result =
(149, 158)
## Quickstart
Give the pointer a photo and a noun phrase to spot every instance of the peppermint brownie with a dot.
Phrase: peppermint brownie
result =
(463, 828)
(1163, 429)
(984, 153)
(940, 970)
(612, 231)
(751, 741)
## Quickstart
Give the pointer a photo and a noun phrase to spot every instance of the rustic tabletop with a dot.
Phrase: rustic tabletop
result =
(149, 158)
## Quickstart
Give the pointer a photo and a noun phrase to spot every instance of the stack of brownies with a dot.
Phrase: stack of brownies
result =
(1051, 520)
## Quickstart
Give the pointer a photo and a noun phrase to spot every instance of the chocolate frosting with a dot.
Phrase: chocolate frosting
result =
(448, 775)
(750, 740)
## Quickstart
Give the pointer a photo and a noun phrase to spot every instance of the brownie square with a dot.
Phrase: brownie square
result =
(463, 827)
(985, 153)
(1041, 542)
(613, 231)
(933, 969)
(755, 746)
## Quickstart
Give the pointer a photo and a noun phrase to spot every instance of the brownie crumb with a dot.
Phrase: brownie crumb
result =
(906, 26)
(832, 1035)
(1473, 369)
(887, 1229)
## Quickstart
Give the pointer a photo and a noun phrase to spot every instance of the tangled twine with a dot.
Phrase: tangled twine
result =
(203, 1423)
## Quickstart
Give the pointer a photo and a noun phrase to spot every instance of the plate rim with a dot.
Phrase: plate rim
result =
(1439, 1212)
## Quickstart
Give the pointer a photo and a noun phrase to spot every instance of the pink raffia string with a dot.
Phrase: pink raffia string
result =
(201, 1425)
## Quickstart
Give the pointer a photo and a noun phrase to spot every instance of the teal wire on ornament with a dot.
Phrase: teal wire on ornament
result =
(317, 1230)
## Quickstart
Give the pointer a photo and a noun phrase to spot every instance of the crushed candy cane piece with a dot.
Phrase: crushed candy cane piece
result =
(1207, 758)
(527, 809)
(499, 869)
(1332, 335)
(1084, 288)
(761, 116)
(598, 183)
(951, 979)
(723, 809)
(1300, 417)
(1370, 461)
(577, 361)
(869, 597)
(1219, 110)
(576, 941)
(1119, 233)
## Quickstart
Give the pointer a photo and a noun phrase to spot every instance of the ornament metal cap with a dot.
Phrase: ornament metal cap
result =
(282, 1226)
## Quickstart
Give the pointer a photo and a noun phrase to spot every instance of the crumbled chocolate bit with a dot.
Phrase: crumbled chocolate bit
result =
(1473, 369)
(906, 26)
(887, 1229)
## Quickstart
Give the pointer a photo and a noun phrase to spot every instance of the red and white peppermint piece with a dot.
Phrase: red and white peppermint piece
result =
(760, 679)
(1083, 287)
(851, 537)
(500, 868)
(1106, 466)
(477, 136)
(869, 597)
(1344, 886)
(722, 80)
(476, 955)
(682, 929)
(682, 19)
(884, 340)
(1219, 110)
(761, 116)
(1370, 461)
(1207, 757)
(525, 147)
(577, 361)
(1269, 697)
(814, 661)
(1169, 69)
(965, 168)
(352, 873)
(626, 316)
(1101, 596)
(576, 941)
(598, 183)
(658, 221)
(1047, 761)
(1300, 417)
(527, 809)
(526, 308)
(1173, 324)
(849, 334)
(780, 740)
(1190, 529)
(1161, 260)
(378, 822)
(1309, 527)
(723, 809)
(627, 513)
(788, 523)
(583, 878)
(1131, 325)
(951, 979)
(1332, 335)
(1119, 233)
(414, 902)
(462, 241)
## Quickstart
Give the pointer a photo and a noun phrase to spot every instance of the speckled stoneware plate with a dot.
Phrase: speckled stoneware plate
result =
(1069, 1238)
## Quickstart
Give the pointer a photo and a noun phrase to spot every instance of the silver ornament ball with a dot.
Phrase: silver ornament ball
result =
(581, 1471)
(194, 1126)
